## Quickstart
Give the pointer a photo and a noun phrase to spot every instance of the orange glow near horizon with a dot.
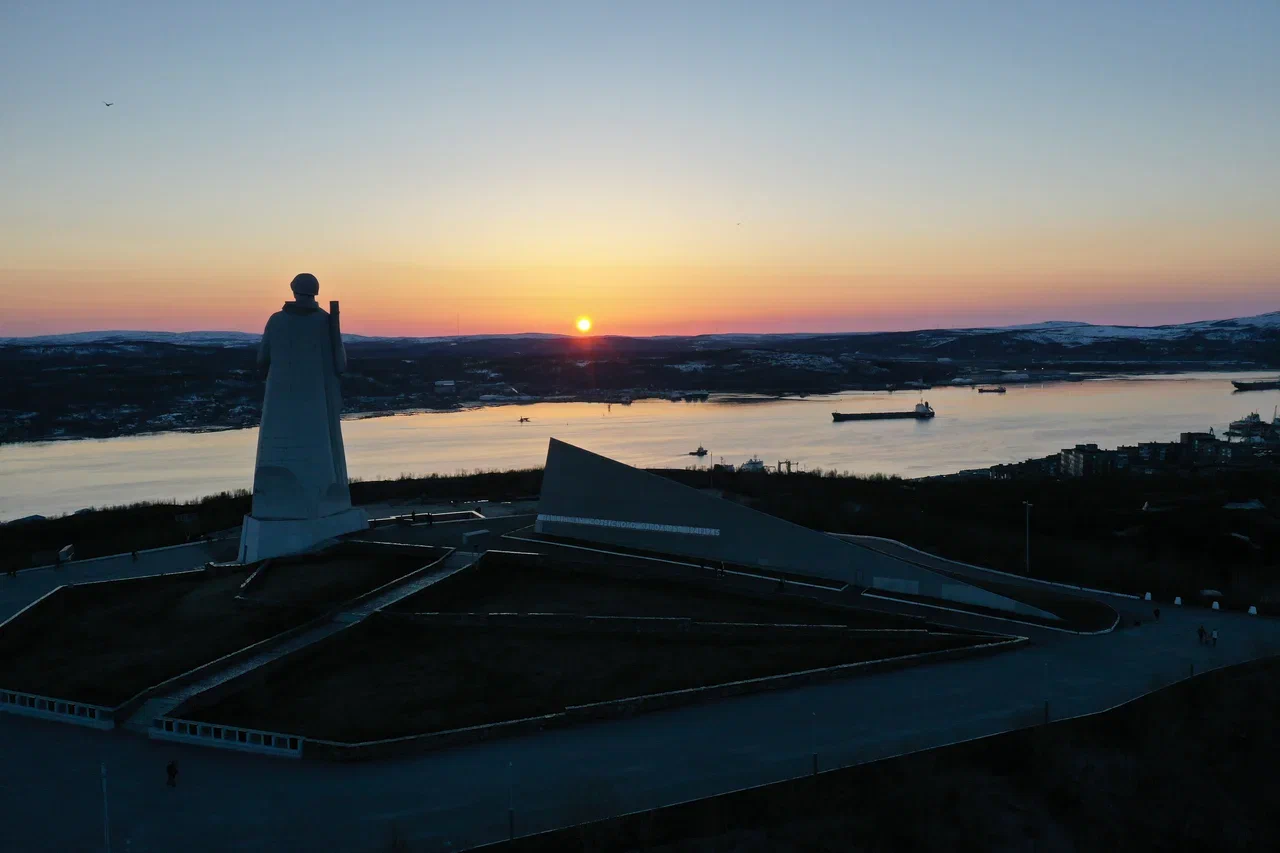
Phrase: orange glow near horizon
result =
(416, 301)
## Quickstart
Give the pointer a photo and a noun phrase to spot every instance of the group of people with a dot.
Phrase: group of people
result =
(1207, 637)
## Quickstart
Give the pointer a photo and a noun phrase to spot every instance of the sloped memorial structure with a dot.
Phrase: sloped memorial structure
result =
(591, 498)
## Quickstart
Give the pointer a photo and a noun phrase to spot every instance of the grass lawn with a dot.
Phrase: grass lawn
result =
(326, 581)
(388, 678)
(114, 640)
(497, 588)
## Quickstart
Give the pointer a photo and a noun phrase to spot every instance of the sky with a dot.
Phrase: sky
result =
(662, 167)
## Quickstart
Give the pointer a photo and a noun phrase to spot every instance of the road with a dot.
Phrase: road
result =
(51, 795)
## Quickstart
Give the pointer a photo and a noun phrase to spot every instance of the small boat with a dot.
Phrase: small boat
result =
(999, 389)
(1260, 385)
(922, 411)
(524, 420)
(701, 451)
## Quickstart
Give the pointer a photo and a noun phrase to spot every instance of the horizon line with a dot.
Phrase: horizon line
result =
(1015, 326)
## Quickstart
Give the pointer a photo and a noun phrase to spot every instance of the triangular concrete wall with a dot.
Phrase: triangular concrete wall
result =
(593, 498)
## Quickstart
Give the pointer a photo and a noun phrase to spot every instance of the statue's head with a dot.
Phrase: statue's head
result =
(305, 286)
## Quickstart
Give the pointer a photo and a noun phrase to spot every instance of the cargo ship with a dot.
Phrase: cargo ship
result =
(999, 389)
(1260, 385)
(1253, 425)
(922, 411)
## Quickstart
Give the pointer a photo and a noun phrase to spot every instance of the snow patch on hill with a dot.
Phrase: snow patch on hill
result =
(1060, 332)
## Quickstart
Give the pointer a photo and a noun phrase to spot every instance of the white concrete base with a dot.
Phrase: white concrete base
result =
(263, 538)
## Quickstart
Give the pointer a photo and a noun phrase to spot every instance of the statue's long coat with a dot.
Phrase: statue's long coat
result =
(301, 470)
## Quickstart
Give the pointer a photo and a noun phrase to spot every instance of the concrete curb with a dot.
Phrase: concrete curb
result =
(131, 705)
(254, 578)
(414, 744)
(33, 605)
(574, 623)
(760, 587)
(931, 606)
(855, 536)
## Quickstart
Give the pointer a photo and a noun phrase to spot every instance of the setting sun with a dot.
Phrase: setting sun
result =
(584, 324)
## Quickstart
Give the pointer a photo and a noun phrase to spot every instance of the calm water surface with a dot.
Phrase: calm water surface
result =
(971, 430)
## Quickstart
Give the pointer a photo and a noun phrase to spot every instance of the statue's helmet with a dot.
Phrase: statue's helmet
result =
(305, 284)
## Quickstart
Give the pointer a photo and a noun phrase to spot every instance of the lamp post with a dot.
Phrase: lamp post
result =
(1027, 504)
(106, 818)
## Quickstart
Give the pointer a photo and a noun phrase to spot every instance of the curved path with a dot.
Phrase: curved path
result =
(51, 795)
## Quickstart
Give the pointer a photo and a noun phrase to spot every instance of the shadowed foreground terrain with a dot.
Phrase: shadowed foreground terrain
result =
(1189, 768)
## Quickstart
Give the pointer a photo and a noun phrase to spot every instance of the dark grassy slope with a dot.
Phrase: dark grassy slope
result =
(1190, 768)
(496, 588)
(110, 641)
(389, 678)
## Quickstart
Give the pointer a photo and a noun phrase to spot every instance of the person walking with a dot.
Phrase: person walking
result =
(1200, 634)
(1215, 638)
(171, 770)
(1156, 613)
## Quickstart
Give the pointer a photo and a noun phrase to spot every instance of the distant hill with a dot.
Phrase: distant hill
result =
(1065, 333)
(222, 339)
(99, 384)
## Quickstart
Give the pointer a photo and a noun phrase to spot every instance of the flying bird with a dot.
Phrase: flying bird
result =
(108, 103)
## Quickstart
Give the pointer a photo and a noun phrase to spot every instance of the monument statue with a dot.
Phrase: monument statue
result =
(301, 496)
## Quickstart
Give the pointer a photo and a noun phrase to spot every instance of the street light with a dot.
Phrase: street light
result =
(106, 817)
(1028, 505)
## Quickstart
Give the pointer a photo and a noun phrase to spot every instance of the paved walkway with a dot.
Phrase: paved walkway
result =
(29, 584)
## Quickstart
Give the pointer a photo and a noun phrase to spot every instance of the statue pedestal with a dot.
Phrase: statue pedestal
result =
(275, 537)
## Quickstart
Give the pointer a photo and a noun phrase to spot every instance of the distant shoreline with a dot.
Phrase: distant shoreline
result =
(721, 398)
